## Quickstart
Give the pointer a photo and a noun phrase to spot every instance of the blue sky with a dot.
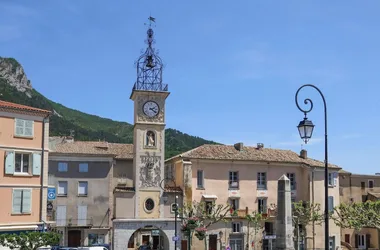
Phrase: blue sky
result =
(232, 67)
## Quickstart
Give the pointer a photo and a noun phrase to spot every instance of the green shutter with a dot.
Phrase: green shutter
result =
(10, 162)
(27, 201)
(36, 164)
(16, 204)
(28, 129)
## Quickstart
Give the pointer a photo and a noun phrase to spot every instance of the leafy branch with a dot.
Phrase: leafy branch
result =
(29, 241)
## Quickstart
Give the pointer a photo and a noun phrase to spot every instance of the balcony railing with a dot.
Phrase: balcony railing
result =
(233, 184)
(74, 223)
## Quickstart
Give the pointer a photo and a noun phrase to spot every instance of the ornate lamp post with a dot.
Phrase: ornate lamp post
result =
(176, 205)
(305, 128)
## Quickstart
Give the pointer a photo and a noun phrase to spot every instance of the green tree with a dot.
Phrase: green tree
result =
(29, 241)
(255, 221)
(358, 215)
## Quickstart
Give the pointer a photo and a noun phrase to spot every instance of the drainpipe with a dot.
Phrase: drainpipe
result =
(42, 169)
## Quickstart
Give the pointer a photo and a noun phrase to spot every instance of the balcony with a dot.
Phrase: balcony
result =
(74, 222)
(239, 213)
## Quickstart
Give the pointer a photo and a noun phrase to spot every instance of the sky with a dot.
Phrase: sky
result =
(233, 67)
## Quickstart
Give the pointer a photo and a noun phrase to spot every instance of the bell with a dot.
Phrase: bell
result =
(150, 63)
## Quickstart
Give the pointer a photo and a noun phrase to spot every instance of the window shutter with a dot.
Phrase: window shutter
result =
(27, 201)
(368, 240)
(335, 179)
(36, 164)
(28, 130)
(82, 215)
(16, 203)
(10, 162)
(356, 240)
(331, 204)
(19, 127)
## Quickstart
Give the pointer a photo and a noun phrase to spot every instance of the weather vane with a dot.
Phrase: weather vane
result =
(151, 20)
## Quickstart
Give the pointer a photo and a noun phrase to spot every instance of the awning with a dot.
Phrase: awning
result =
(15, 228)
(209, 196)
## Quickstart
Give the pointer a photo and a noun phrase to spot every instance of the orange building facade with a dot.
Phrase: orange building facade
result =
(24, 135)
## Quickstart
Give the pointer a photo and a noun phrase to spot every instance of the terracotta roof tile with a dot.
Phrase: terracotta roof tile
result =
(119, 150)
(15, 106)
(228, 152)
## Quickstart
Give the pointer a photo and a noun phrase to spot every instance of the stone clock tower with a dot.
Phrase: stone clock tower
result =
(149, 95)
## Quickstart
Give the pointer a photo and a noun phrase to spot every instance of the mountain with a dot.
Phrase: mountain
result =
(15, 87)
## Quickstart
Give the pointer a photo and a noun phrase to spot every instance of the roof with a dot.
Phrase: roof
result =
(118, 150)
(18, 107)
(228, 152)
(376, 195)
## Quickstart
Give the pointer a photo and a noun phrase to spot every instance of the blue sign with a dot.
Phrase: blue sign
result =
(175, 238)
(51, 194)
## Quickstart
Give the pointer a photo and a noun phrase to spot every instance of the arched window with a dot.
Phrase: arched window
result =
(150, 139)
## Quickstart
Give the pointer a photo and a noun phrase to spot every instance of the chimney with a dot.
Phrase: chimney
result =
(239, 146)
(260, 145)
(68, 139)
(303, 154)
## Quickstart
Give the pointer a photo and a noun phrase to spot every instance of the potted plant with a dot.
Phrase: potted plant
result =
(200, 233)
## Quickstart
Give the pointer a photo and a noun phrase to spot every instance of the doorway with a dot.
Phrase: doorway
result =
(212, 242)
(236, 244)
(74, 238)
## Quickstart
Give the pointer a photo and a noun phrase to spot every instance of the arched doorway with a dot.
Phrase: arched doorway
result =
(148, 238)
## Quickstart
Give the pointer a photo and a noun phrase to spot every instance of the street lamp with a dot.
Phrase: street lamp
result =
(175, 202)
(305, 128)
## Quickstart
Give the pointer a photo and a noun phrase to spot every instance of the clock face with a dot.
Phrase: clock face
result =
(151, 108)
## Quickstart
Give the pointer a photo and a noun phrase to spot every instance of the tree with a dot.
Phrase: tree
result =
(304, 214)
(255, 221)
(358, 215)
(29, 241)
(201, 215)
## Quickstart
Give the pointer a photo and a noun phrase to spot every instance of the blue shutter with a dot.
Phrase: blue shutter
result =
(36, 164)
(10, 162)
(331, 204)
(28, 128)
(27, 201)
(16, 201)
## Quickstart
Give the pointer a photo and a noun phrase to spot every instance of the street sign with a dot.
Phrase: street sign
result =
(175, 238)
(270, 237)
(155, 232)
(51, 193)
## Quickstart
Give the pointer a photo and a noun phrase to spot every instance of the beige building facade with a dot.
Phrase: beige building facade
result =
(246, 178)
(359, 188)
(24, 156)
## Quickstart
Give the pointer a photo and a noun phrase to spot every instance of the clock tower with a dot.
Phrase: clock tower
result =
(149, 94)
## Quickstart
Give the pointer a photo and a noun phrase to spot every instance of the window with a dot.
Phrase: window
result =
(82, 188)
(370, 183)
(62, 166)
(83, 167)
(62, 188)
(332, 243)
(292, 178)
(24, 127)
(362, 184)
(21, 201)
(361, 241)
(262, 205)
(236, 227)
(149, 204)
(209, 206)
(200, 179)
(261, 181)
(22, 163)
(331, 204)
(331, 179)
(347, 238)
(269, 228)
(169, 172)
(233, 179)
(97, 239)
(234, 204)
(173, 208)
